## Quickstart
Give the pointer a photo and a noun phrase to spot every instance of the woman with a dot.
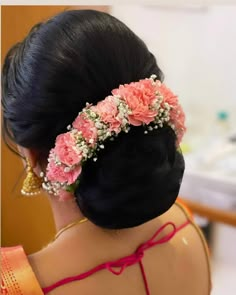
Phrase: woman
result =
(84, 101)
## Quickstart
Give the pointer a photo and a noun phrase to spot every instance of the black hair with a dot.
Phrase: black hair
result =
(76, 57)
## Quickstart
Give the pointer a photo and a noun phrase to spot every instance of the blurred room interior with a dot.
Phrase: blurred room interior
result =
(195, 46)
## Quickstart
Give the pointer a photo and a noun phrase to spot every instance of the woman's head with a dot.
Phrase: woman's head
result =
(78, 57)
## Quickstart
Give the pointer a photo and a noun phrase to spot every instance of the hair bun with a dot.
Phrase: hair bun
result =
(135, 179)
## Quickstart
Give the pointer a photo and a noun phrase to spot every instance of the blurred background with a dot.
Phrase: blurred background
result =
(195, 46)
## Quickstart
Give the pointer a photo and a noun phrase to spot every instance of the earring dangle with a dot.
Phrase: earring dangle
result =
(32, 183)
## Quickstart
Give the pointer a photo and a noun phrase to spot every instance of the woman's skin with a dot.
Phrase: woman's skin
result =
(176, 267)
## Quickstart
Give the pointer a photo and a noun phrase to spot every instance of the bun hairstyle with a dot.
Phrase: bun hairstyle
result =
(136, 178)
(78, 57)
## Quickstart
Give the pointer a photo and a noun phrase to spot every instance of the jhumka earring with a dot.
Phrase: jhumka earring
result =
(32, 183)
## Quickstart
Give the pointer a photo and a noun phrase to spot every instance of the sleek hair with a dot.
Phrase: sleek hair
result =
(76, 57)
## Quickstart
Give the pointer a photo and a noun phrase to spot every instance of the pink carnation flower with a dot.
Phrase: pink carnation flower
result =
(65, 149)
(139, 96)
(57, 173)
(87, 127)
(107, 110)
(177, 116)
(168, 95)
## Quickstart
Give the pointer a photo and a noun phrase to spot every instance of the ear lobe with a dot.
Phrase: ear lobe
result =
(30, 154)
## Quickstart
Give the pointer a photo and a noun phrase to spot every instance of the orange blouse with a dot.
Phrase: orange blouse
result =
(17, 277)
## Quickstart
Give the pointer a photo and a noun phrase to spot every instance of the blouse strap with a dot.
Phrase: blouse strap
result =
(118, 266)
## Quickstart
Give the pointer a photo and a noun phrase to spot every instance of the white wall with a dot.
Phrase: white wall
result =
(196, 49)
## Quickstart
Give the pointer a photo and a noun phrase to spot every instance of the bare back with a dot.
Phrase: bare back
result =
(180, 266)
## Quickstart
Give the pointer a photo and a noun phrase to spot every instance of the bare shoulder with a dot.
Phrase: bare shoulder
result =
(193, 253)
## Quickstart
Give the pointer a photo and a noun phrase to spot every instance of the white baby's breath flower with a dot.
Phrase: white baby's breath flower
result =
(67, 169)
(93, 115)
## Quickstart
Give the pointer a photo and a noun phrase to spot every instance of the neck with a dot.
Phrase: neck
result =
(64, 212)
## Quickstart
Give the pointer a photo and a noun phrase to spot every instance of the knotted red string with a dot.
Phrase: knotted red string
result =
(124, 262)
(139, 253)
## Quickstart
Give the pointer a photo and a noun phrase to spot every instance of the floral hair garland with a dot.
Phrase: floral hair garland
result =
(147, 102)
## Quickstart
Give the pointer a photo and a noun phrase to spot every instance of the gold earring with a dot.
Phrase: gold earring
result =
(32, 183)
